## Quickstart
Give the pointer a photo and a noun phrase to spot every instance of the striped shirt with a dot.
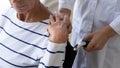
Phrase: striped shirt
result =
(27, 45)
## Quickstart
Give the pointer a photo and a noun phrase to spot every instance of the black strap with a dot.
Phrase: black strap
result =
(69, 56)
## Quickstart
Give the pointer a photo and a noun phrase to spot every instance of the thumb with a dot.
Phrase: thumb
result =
(88, 37)
(48, 27)
(69, 28)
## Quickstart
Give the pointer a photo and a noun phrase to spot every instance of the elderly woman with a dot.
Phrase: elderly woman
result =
(25, 42)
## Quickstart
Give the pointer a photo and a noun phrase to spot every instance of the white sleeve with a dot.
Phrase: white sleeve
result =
(69, 4)
(116, 25)
(54, 56)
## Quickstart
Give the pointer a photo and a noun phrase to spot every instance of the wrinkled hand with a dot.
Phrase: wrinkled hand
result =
(65, 11)
(99, 38)
(57, 28)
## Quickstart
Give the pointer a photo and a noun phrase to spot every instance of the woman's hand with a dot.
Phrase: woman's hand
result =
(65, 11)
(57, 28)
(99, 38)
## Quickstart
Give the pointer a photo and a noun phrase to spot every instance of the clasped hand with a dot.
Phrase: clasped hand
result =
(99, 38)
(58, 28)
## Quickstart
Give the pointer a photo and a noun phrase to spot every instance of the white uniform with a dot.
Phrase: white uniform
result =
(27, 45)
(52, 5)
(91, 15)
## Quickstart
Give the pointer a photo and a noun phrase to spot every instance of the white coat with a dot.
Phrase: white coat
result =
(89, 16)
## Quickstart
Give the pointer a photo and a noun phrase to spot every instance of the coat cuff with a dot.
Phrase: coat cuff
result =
(115, 25)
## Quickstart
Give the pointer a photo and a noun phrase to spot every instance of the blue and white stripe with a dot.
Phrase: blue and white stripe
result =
(27, 47)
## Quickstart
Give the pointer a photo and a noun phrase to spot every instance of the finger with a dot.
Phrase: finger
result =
(98, 47)
(95, 48)
(90, 50)
(88, 38)
(61, 16)
(66, 19)
(51, 18)
(64, 22)
(69, 28)
(91, 46)
(67, 22)
(91, 43)
(64, 25)
(47, 27)
(57, 17)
